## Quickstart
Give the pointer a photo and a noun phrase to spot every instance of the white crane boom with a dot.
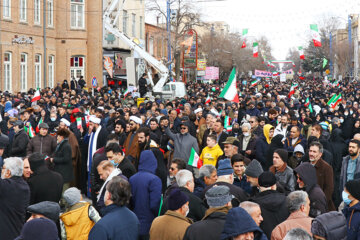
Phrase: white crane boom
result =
(110, 24)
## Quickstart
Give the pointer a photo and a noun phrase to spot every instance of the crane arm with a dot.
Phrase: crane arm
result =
(109, 25)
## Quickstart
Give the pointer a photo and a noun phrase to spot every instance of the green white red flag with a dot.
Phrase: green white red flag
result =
(308, 104)
(37, 96)
(244, 33)
(255, 49)
(292, 89)
(37, 127)
(30, 131)
(315, 35)
(254, 83)
(194, 159)
(208, 99)
(334, 100)
(301, 52)
(78, 122)
(230, 91)
(227, 124)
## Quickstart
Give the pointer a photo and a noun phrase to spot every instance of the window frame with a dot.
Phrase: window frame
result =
(133, 24)
(8, 64)
(125, 21)
(37, 12)
(37, 71)
(23, 72)
(23, 10)
(50, 13)
(6, 9)
(51, 74)
(78, 14)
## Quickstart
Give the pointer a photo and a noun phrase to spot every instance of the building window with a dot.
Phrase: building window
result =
(141, 27)
(50, 12)
(51, 71)
(77, 67)
(23, 10)
(37, 11)
(158, 47)
(125, 21)
(7, 9)
(151, 46)
(77, 8)
(133, 25)
(23, 72)
(7, 71)
(37, 71)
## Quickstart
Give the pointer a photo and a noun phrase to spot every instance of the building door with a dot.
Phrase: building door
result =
(77, 67)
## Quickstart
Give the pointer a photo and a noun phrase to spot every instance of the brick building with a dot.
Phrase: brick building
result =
(73, 42)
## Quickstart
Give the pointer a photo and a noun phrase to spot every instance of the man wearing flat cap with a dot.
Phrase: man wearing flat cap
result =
(96, 137)
(42, 143)
(219, 200)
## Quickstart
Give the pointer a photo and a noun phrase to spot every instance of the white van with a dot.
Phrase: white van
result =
(173, 90)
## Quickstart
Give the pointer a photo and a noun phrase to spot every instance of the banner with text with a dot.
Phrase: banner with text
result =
(259, 73)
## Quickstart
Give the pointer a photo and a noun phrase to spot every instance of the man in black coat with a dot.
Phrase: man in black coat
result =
(272, 203)
(142, 85)
(45, 185)
(220, 134)
(20, 141)
(210, 227)
(14, 198)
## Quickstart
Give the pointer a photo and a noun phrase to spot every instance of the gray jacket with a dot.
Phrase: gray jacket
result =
(183, 143)
(343, 173)
(286, 178)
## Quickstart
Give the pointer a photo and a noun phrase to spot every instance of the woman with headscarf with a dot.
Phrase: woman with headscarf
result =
(263, 144)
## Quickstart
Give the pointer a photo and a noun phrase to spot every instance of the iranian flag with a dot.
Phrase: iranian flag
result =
(254, 83)
(332, 99)
(37, 127)
(315, 35)
(194, 159)
(230, 91)
(308, 105)
(275, 74)
(208, 99)
(244, 33)
(36, 96)
(227, 124)
(292, 89)
(30, 131)
(78, 122)
(335, 101)
(127, 92)
(301, 52)
(255, 49)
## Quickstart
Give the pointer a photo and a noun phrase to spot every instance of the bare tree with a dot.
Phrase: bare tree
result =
(187, 16)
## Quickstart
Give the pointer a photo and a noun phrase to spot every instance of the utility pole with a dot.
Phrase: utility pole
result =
(331, 62)
(45, 52)
(350, 43)
(168, 28)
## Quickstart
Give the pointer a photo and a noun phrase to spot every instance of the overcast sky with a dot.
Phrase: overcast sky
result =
(284, 22)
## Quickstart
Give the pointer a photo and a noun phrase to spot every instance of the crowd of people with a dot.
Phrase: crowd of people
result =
(78, 164)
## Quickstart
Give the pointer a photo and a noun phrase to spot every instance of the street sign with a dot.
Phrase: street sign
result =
(94, 82)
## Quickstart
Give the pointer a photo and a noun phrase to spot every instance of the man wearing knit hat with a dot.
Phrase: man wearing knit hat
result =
(173, 224)
(252, 172)
(40, 229)
(272, 203)
(85, 214)
(329, 226)
(351, 198)
(210, 227)
(225, 174)
(283, 173)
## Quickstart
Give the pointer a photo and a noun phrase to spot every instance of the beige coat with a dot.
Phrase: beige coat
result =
(170, 226)
(295, 220)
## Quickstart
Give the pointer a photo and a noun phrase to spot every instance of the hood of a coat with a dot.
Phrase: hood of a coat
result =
(237, 222)
(334, 224)
(147, 161)
(307, 173)
(266, 131)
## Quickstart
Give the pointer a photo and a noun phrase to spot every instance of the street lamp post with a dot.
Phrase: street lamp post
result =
(168, 28)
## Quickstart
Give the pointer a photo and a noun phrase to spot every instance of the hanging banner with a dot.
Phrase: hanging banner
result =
(212, 73)
(259, 73)
(108, 65)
